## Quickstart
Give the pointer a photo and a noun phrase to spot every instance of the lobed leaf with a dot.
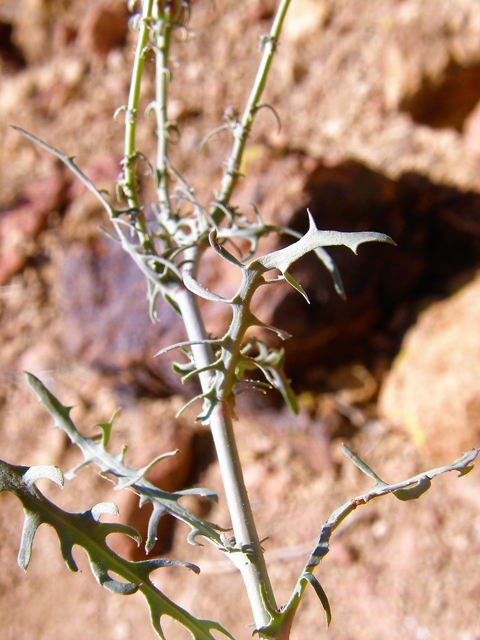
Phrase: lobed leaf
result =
(96, 453)
(314, 239)
(407, 490)
(86, 531)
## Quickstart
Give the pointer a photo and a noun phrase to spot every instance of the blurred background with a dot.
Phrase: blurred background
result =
(379, 103)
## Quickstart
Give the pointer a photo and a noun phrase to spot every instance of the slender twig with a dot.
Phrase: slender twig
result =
(129, 183)
(242, 132)
(162, 79)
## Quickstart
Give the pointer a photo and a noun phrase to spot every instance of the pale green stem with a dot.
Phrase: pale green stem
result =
(131, 116)
(242, 132)
(252, 565)
(162, 79)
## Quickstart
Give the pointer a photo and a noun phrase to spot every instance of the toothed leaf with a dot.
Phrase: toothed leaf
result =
(104, 507)
(157, 513)
(315, 239)
(96, 453)
(106, 428)
(226, 255)
(85, 530)
(414, 486)
(198, 491)
(128, 482)
(332, 268)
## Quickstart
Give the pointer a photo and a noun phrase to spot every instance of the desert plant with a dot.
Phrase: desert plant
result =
(167, 241)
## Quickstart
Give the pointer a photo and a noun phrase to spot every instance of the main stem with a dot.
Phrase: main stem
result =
(252, 563)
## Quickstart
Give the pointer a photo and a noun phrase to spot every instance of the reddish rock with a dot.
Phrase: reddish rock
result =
(105, 28)
(471, 131)
(432, 389)
(20, 225)
(107, 325)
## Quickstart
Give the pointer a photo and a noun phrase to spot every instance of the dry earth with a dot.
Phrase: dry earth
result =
(380, 110)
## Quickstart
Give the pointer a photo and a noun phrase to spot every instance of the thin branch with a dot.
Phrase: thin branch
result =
(129, 182)
(242, 131)
(162, 79)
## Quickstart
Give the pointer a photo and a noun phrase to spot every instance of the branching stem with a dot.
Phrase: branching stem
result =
(168, 251)
(251, 560)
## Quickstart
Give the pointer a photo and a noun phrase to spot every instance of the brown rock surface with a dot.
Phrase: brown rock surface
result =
(21, 225)
(432, 388)
(103, 29)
